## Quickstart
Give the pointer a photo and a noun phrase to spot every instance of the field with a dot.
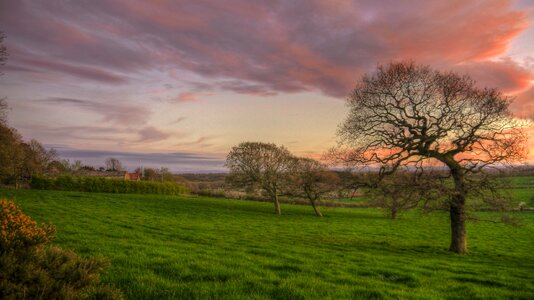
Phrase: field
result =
(192, 247)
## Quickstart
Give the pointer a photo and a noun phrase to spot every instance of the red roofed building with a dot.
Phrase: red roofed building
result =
(132, 176)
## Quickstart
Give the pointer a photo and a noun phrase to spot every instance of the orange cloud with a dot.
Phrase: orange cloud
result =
(186, 97)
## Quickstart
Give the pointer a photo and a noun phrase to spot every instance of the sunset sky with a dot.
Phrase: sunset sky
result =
(178, 83)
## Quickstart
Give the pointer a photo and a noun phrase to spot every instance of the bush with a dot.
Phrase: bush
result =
(105, 185)
(18, 231)
(30, 268)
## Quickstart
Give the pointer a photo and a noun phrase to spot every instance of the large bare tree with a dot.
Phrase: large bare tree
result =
(260, 165)
(405, 114)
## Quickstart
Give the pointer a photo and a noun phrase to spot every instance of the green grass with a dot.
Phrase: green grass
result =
(523, 195)
(522, 181)
(186, 247)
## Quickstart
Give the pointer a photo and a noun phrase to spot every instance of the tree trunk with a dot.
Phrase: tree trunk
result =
(393, 214)
(458, 232)
(457, 214)
(317, 212)
(277, 209)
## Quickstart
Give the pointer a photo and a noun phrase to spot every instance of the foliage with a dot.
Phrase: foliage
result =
(20, 160)
(262, 166)
(190, 247)
(152, 174)
(106, 185)
(29, 268)
(18, 231)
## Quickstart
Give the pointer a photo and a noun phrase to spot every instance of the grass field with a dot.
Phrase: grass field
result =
(190, 247)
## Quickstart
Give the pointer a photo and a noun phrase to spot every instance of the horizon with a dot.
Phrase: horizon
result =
(178, 84)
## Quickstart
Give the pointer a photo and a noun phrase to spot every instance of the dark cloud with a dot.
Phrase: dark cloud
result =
(179, 162)
(259, 48)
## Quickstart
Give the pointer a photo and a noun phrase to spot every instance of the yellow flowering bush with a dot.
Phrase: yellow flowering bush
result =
(31, 268)
(18, 231)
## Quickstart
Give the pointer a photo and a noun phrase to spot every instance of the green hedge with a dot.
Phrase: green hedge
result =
(106, 185)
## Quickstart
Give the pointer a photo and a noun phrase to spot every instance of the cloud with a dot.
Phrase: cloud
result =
(45, 65)
(242, 87)
(187, 97)
(236, 86)
(523, 105)
(178, 120)
(78, 134)
(258, 48)
(151, 134)
(505, 74)
(118, 113)
(201, 142)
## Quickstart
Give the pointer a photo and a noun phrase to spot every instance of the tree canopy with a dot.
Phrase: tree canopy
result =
(260, 165)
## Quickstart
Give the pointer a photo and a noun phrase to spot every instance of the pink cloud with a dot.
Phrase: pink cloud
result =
(80, 71)
(186, 97)
(505, 75)
(276, 47)
(523, 104)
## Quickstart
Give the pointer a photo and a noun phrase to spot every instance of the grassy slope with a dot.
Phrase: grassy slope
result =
(186, 247)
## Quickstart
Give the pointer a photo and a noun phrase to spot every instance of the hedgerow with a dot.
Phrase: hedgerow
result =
(106, 185)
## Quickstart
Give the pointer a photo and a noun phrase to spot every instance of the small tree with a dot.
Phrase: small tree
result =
(405, 114)
(259, 165)
(310, 179)
(113, 164)
(404, 190)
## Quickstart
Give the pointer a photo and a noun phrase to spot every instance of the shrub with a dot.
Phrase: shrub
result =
(18, 231)
(30, 268)
(105, 185)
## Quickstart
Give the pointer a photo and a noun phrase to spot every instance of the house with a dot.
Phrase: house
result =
(132, 176)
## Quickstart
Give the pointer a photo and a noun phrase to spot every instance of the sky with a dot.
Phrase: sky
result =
(178, 83)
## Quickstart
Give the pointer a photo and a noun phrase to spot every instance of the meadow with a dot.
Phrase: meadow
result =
(172, 247)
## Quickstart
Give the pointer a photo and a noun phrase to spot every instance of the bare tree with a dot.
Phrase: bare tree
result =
(259, 165)
(311, 180)
(41, 157)
(113, 164)
(405, 114)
